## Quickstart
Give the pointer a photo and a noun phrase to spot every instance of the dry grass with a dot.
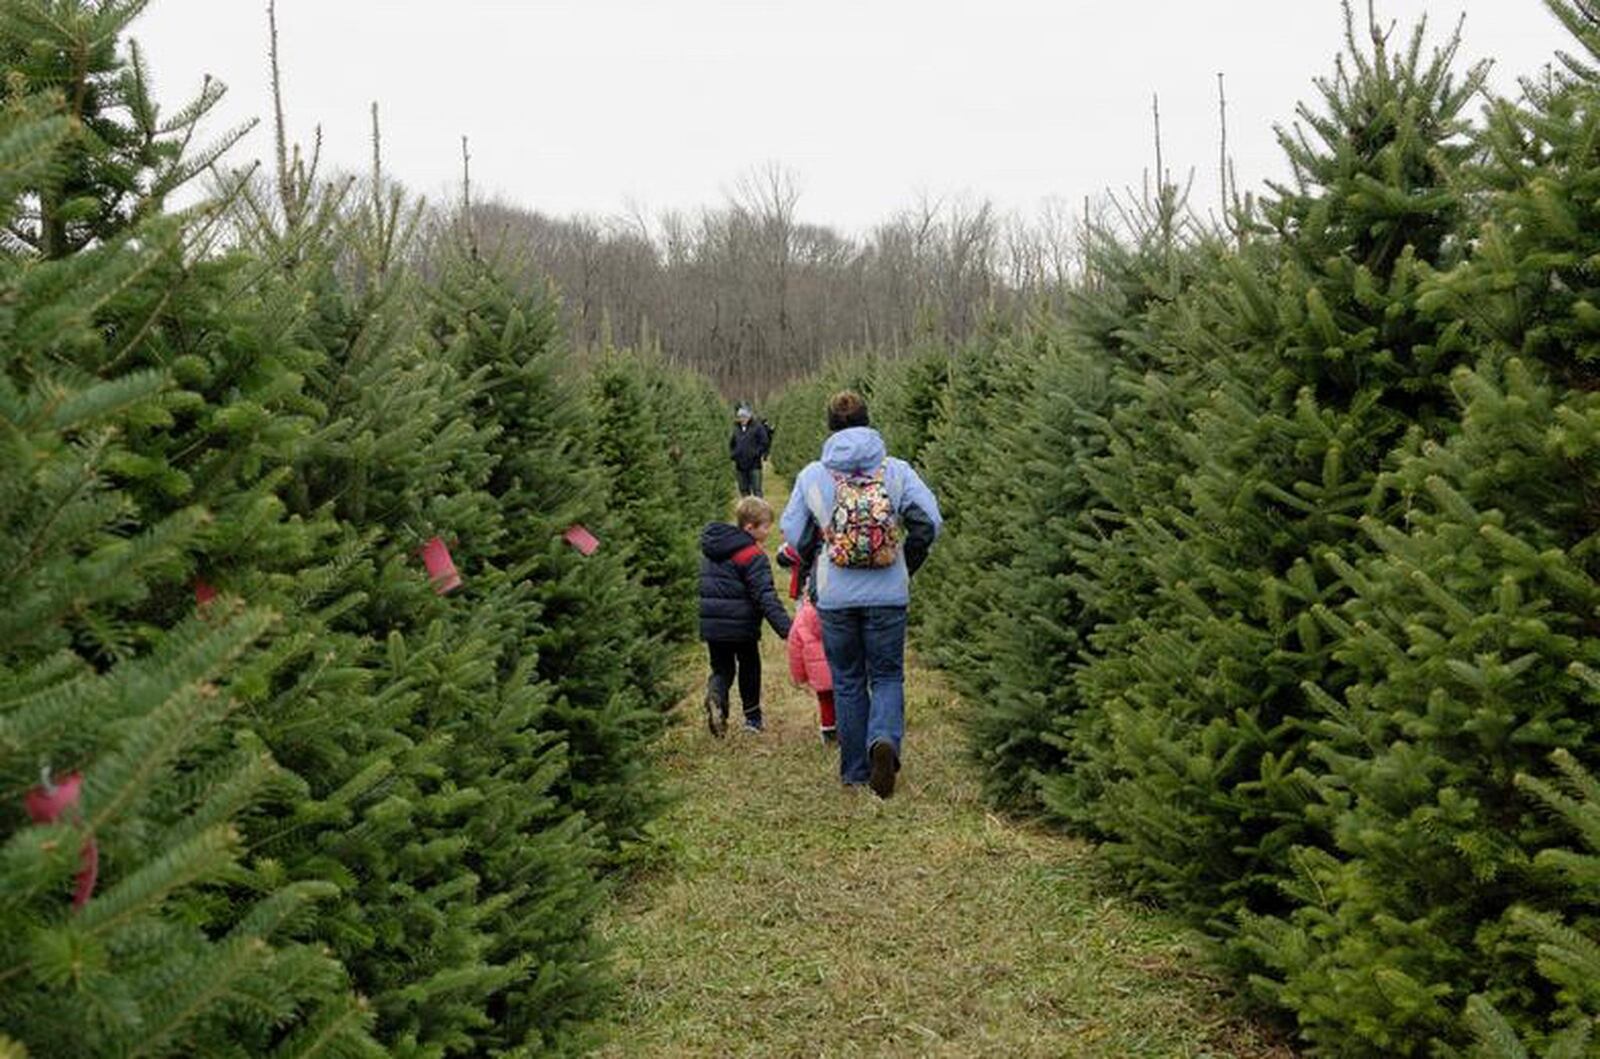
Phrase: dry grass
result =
(795, 918)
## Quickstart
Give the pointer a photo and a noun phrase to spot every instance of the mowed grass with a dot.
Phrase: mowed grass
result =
(792, 917)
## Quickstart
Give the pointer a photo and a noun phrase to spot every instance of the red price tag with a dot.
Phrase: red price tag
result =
(581, 539)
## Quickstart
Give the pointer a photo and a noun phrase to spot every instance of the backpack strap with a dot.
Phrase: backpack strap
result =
(892, 483)
(746, 555)
(813, 498)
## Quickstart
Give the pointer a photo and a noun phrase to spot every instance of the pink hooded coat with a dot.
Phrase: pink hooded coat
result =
(808, 664)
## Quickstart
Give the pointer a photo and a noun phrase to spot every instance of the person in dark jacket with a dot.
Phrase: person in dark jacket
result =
(748, 446)
(736, 592)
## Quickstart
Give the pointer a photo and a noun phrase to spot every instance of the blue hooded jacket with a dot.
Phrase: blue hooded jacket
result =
(860, 449)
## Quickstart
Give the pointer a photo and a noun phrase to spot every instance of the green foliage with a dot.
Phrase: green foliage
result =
(1567, 956)
(585, 618)
(190, 943)
(1469, 625)
(1284, 416)
(337, 812)
(656, 529)
(1271, 563)
(118, 158)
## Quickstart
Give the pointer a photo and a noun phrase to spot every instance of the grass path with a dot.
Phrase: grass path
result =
(795, 918)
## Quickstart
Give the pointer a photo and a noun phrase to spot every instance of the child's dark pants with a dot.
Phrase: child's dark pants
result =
(743, 657)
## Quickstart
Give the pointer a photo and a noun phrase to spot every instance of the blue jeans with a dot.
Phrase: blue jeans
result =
(866, 649)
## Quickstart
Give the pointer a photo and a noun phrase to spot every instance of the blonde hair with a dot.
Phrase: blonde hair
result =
(752, 511)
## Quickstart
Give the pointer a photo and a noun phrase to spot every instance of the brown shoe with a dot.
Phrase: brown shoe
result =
(884, 766)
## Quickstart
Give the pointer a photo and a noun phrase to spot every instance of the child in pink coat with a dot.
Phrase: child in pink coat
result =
(808, 663)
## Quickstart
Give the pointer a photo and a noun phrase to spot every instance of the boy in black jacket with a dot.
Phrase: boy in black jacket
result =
(735, 592)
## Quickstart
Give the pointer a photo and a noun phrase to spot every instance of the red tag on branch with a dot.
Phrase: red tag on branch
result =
(581, 539)
(441, 568)
(89, 857)
(47, 803)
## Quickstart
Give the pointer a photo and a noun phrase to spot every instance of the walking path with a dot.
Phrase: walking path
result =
(798, 918)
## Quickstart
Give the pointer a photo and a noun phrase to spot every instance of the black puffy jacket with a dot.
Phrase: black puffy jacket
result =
(736, 587)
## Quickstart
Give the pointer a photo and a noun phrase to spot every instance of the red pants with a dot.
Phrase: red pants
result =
(825, 719)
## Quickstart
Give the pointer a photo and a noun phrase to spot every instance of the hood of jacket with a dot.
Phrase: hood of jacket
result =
(722, 540)
(853, 449)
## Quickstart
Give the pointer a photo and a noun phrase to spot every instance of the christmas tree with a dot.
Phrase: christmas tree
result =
(1467, 634)
(1294, 370)
(585, 626)
(139, 923)
(118, 157)
(1566, 951)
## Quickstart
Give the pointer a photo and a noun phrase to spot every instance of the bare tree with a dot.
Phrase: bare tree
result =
(753, 295)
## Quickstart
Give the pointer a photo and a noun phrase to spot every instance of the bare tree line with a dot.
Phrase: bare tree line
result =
(746, 292)
(752, 295)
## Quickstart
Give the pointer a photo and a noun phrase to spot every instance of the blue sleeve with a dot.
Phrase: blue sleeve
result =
(796, 516)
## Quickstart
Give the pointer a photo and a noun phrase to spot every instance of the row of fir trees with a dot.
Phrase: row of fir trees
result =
(1274, 562)
(269, 787)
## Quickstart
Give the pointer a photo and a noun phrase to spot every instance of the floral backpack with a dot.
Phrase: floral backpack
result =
(864, 529)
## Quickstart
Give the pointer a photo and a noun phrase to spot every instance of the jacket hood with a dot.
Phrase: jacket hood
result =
(722, 540)
(853, 449)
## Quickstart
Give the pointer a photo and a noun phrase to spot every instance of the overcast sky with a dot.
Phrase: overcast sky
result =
(588, 105)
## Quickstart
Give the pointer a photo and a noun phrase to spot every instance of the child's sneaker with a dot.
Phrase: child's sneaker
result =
(716, 711)
(830, 737)
(752, 721)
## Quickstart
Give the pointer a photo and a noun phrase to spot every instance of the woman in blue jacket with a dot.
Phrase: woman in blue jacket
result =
(864, 522)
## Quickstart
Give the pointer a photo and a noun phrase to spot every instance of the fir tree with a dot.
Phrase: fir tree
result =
(689, 414)
(120, 158)
(1086, 445)
(988, 379)
(1022, 731)
(633, 449)
(1568, 956)
(1467, 633)
(1296, 387)
(137, 923)
(585, 628)
(470, 871)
